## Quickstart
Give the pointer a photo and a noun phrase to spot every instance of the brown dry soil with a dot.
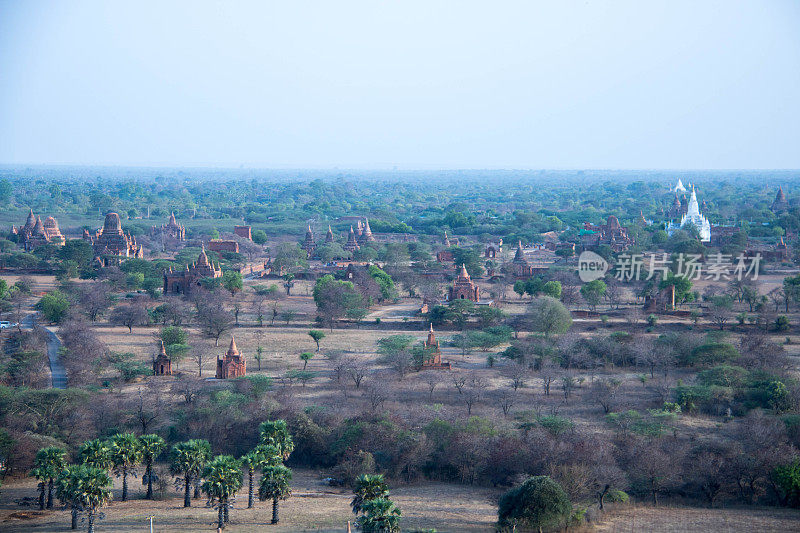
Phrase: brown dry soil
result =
(317, 507)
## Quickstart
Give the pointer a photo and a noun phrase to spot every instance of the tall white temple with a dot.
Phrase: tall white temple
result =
(679, 187)
(694, 218)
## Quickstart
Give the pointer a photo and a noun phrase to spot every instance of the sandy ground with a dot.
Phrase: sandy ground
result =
(317, 507)
(684, 520)
(312, 507)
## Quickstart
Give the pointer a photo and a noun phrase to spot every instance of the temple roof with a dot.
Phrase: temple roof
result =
(38, 227)
(202, 259)
(232, 350)
(519, 256)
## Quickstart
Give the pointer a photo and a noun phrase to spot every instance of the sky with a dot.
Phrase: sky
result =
(408, 84)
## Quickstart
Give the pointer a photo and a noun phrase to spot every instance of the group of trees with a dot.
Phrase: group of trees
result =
(87, 485)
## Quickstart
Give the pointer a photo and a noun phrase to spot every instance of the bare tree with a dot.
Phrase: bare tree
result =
(633, 315)
(548, 372)
(654, 356)
(604, 393)
(129, 315)
(458, 382)
(357, 370)
(375, 395)
(721, 311)
(188, 388)
(473, 392)
(614, 293)
(93, 298)
(198, 356)
(432, 379)
(506, 401)
(214, 321)
(148, 408)
(517, 373)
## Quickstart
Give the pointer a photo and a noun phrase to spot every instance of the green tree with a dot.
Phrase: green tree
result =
(232, 281)
(335, 299)
(86, 489)
(175, 342)
(46, 466)
(380, 516)
(187, 462)
(152, 446)
(222, 479)
(68, 490)
(96, 453)
(538, 503)
(259, 457)
(276, 433)
(317, 335)
(275, 486)
(259, 236)
(552, 289)
(682, 284)
(384, 281)
(77, 250)
(306, 357)
(787, 480)
(549, 316)
(368, 487)
(593, 292)
(126, 453)
(54, 306)
(519, 288)
(459, 311)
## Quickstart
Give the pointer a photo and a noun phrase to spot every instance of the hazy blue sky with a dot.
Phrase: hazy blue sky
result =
(427, 84)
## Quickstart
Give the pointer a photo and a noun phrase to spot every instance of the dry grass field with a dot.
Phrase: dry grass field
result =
(312, 507)
(316, 507)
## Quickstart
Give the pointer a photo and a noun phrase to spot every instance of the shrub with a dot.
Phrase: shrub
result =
(782, 323)
(53, 306)
(538, 503)
(556, 425)
(787, 481)
(723, 376)
(711, 354)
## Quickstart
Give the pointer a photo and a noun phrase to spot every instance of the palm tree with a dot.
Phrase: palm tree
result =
(86, 488)
(276, 433)
(40, 474)
(380, 516)
(152, 446)
(126, 453)
(275, 486)
(96, 453)
(187, 461)
(368, 487)
(261, 456)
(47, 465)
(68, 487)
(223, 477)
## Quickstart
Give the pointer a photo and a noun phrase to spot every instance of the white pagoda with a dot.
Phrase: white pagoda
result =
(694, 218)
(679, 187)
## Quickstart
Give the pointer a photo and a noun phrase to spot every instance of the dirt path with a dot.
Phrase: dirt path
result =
(58, 376)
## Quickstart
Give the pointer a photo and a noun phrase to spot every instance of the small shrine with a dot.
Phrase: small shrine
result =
(162, 364)
(232, 364)
(434, 360)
